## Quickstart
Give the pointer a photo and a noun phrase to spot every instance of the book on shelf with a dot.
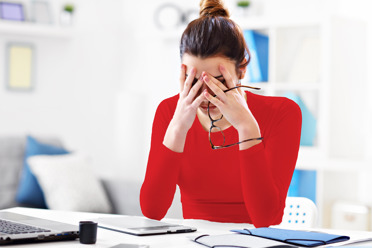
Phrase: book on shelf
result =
(303, 184)
(262, 48)
(308, 128)
(258, 45)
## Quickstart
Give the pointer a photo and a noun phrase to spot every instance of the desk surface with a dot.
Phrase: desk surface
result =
(106, 238)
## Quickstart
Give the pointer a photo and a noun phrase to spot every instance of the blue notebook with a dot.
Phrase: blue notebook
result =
(294, 237)
(235, 240)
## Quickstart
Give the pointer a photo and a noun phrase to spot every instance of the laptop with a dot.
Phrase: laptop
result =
(18, 228)
(141, 226)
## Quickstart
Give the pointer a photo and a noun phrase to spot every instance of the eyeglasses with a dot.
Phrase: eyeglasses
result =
(219, 136)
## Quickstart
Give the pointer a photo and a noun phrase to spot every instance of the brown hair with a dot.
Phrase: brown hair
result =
(215, 34)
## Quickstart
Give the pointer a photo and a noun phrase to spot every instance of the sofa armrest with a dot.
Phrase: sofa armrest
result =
(123, 195)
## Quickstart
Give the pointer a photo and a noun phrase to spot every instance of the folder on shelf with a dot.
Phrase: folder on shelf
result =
(254, 71)
(308, 129)
(258, 45)
(294, 237)
(303, 184)
(294, 187)
(262, 49)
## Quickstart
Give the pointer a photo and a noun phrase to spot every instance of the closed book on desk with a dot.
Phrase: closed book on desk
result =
(238, 241)
(294, 237)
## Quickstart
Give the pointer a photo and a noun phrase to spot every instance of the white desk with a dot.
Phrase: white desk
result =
(106, 238)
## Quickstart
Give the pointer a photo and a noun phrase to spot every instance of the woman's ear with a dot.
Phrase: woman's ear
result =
(242, 69)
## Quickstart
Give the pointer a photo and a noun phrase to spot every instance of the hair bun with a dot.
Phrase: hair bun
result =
(213, 8)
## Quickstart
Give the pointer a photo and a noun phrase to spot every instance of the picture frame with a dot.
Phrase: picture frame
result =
(20, 66)
(40, 12)
(12, 11)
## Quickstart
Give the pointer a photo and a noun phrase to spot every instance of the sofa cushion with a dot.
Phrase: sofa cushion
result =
(124, 195)
(68, 183)
(29, 192)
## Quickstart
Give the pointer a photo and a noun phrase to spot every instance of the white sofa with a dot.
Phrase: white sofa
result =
(122, 194)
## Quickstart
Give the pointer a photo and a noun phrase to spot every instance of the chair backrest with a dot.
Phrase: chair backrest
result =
(299, 212)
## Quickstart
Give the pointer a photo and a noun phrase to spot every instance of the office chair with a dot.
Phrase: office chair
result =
(299, 212)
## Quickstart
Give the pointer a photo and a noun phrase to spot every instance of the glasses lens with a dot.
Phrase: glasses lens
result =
(217, 137)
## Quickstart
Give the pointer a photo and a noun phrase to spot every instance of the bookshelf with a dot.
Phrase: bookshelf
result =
(307, 57)
(296, 62)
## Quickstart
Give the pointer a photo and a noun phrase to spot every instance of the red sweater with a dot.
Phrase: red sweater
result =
(225, 185)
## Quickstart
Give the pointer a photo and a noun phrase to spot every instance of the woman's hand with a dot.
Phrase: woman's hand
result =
(233, 106)
(185, 112)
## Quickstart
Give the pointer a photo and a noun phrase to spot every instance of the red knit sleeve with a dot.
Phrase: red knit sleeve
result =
(267, 168)
(162, 171)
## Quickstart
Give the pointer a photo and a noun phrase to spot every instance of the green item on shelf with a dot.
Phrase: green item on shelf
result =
(243, 4)
(69, 8)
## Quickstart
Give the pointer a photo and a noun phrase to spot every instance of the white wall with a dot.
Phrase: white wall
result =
(361, 96)
(76, 79)
(150, 70)
(351, 81)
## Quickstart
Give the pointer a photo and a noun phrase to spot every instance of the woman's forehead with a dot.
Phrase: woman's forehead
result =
(210, 65)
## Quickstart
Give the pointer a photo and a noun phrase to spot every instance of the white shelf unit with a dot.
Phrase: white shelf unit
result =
(330, 73)
(295, 68)
(29, 29)
(296, 64)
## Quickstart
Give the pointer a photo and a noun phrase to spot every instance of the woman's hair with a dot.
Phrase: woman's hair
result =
(215, 34)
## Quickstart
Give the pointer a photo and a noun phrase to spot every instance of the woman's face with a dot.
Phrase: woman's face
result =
(210, 66)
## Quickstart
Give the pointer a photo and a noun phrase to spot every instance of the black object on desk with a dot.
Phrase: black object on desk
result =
(88, 232)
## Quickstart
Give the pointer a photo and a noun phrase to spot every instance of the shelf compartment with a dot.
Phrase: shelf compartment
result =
(298, 54)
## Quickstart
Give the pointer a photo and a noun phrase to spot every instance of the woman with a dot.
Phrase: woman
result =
(246, 181)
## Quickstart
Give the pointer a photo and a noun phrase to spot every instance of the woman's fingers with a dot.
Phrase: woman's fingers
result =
(214, 100)
(214, 87)
(188, 82)
(227, 76)
(194, 90)
(182, 76)
(198, 100)
(216, 81)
